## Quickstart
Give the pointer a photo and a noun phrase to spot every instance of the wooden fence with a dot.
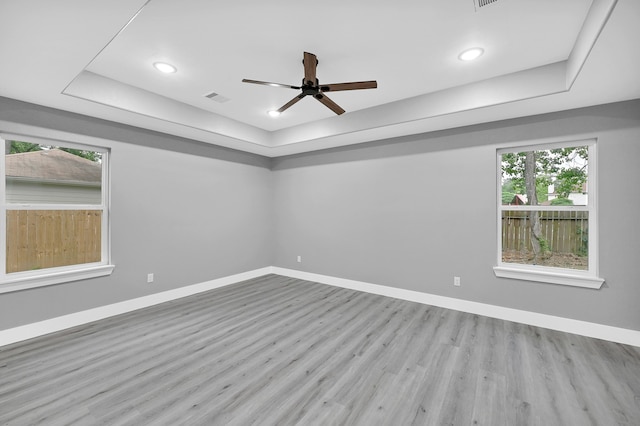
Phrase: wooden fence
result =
(38, 239)
(564, 231)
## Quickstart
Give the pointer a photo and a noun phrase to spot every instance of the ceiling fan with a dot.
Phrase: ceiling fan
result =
(312, 87)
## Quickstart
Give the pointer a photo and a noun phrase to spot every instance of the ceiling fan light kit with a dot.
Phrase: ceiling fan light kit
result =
(312, 87)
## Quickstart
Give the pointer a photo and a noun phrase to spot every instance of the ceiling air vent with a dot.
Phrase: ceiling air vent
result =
(216, 97)
(482, 3)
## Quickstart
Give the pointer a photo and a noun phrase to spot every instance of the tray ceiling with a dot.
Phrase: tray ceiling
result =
(96, 58)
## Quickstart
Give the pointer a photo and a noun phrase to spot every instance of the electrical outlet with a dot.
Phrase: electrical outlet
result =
(299, 259)
(149, 278)
(456, 281)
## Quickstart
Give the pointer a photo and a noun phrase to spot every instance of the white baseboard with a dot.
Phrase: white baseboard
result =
(589, 329)
(583, 328)
(29, 331)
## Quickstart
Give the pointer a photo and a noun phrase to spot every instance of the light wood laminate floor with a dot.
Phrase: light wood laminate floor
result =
(281, 351)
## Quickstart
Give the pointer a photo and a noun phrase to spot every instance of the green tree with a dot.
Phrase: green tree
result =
(89, 155)
(531, 173)
(16, 147)
(570, 180)
(566, 168)
(508, 191)
(561, 202)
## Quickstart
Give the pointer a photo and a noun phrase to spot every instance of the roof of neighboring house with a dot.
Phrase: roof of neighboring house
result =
(52, 164)
(519, 200)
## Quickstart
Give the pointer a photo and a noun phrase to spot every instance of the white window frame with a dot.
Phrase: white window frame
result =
(17, 281)
(545, 274)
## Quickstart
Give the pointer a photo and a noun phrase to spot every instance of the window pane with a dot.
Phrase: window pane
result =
(38, 239)
(40, 174)
(562, 243)
(551, 177)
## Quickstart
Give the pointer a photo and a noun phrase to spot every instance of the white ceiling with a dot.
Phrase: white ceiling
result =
(95, 58)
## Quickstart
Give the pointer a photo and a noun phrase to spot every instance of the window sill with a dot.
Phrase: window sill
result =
(23, 282)
(575, 279)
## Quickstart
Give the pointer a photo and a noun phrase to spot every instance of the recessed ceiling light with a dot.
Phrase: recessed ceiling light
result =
(164, 67)
(471, 54)
(273, 113)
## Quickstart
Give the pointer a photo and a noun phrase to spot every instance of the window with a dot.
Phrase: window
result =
(55, 213)
(547, 220)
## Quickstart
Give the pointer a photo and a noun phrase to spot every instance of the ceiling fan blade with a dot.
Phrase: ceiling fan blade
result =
(329, 103)
(310, 63)
(266, 83)
(291, 102)
(355, 85)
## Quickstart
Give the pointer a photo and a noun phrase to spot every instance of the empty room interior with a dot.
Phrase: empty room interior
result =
(320, 213)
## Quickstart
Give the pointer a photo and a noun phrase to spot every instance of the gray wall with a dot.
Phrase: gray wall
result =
(413, 212)
(188, 212)
(409, 213)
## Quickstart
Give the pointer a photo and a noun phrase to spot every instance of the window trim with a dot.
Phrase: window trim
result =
(23, 280)
(55, 276)
(545, 274)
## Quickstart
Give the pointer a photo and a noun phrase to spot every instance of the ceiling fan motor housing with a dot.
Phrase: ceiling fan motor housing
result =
(310, 89)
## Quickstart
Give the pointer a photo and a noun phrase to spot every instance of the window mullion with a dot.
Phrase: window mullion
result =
(3, 211)
(15, 206)
(592, 182)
